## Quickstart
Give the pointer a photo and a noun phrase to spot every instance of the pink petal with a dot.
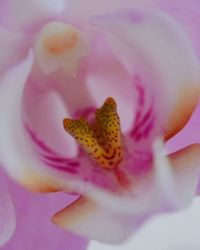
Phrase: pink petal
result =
(158, 51)
(170, 184)
(50, 98)
(106, 77)
(14, 47)
(79, 10)
(16, 156)
(187, 13)
(7, 213)
(44, 112)
(26, 20)
(34, 229)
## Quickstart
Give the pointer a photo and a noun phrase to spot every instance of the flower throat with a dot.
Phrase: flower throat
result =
(102, 140)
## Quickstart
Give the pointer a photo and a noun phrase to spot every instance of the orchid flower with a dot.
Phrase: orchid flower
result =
(88, 97)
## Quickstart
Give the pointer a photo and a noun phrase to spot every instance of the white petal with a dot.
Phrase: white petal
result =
(86, 218)
(15, 153)
(177, 176)
(177, 231)
(186, 167)
(157, 48)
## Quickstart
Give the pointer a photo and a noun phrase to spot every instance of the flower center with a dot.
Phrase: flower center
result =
(102, 140)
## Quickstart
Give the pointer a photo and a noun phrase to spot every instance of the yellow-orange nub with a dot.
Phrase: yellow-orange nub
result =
(102, 141)
(61, 42)
(60, 45)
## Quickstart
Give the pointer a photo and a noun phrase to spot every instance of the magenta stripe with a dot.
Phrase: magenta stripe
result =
(61, 160)
(53, 160)
(145, 131)
(141, 95)
(142, 122)
(74, 164)
(149, 127)
(61, 168)
(39, 143)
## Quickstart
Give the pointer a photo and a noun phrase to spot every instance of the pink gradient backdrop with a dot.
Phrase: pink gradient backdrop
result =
(34, 230)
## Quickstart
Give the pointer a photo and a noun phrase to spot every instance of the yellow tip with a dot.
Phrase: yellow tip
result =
(110, 101)
(67, 122)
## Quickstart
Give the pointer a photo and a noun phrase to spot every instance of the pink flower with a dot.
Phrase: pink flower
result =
(133, 78)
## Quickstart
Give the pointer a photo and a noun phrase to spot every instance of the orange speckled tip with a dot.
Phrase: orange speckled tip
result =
(104, 144)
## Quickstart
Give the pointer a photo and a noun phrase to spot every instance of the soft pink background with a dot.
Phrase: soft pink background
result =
(34, 229)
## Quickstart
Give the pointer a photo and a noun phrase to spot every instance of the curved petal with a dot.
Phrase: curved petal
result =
(106, 77)
(178, 175)
(175, 185)
(44, 111)
(26, 20)
(187, 13)
(7, 213)
(15, 154)
(86, 218)
(160, 48)
(177, 231)
(50, 98)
